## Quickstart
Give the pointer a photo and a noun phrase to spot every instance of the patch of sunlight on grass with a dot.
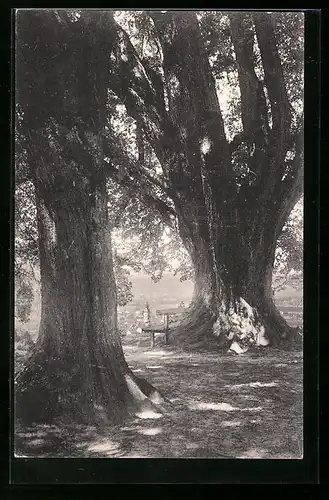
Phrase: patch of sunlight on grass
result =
(279, 365)
(192, 446)
(212, 406)
(135, 455)
(151, 432)
(105, 446)
(252, 384)
(286, 456)
(256, 408)
(254, 453)
(148, 414)
(137, 370)
(226, 423)
(36, 442)
(154, 367)
(30, 434)
(256, 421)
(221, 407)
(158, 352)
(82, 428)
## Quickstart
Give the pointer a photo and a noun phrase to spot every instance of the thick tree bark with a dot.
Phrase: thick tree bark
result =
(238, 306)
(78, 369)
(233, 298)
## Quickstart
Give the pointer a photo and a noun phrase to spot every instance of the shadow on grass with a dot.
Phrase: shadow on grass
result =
(223, 406)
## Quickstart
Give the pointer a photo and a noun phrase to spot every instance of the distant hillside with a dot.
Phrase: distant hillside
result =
(171, 290)
(168, 290)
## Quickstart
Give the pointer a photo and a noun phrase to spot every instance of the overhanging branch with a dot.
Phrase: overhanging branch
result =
(135, 189)
(135, 169)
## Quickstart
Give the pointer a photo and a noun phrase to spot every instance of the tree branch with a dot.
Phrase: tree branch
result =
(132, 167)
(186, 66)
(148, 198)
(134, 85)
(253, 101)
(293, 184)
(274, 80)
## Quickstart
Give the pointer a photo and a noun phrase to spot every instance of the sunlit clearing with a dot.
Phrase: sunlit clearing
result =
(230, 424)
(212, 406)
(253, 384)
(148, 414)
(151, 432)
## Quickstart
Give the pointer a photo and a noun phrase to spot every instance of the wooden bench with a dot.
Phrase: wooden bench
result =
(167, 315)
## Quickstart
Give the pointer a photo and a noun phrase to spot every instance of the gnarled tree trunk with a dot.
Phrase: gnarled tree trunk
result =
(235, 303)
(77, 370)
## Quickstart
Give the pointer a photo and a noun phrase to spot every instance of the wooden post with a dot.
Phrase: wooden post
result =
(146, 314)
(166, 327)
(152, 339)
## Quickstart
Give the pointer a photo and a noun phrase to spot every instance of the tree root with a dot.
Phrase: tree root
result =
(145, 398)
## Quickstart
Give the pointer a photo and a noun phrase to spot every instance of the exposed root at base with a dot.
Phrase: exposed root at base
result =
(147, 402)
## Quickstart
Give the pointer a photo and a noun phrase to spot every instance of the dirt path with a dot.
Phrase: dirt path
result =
(246, 406)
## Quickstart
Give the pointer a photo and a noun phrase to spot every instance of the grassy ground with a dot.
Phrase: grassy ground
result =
(247, 406)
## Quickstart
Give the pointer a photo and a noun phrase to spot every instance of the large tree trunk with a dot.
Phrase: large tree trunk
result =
(77, 370)
(233, 299)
